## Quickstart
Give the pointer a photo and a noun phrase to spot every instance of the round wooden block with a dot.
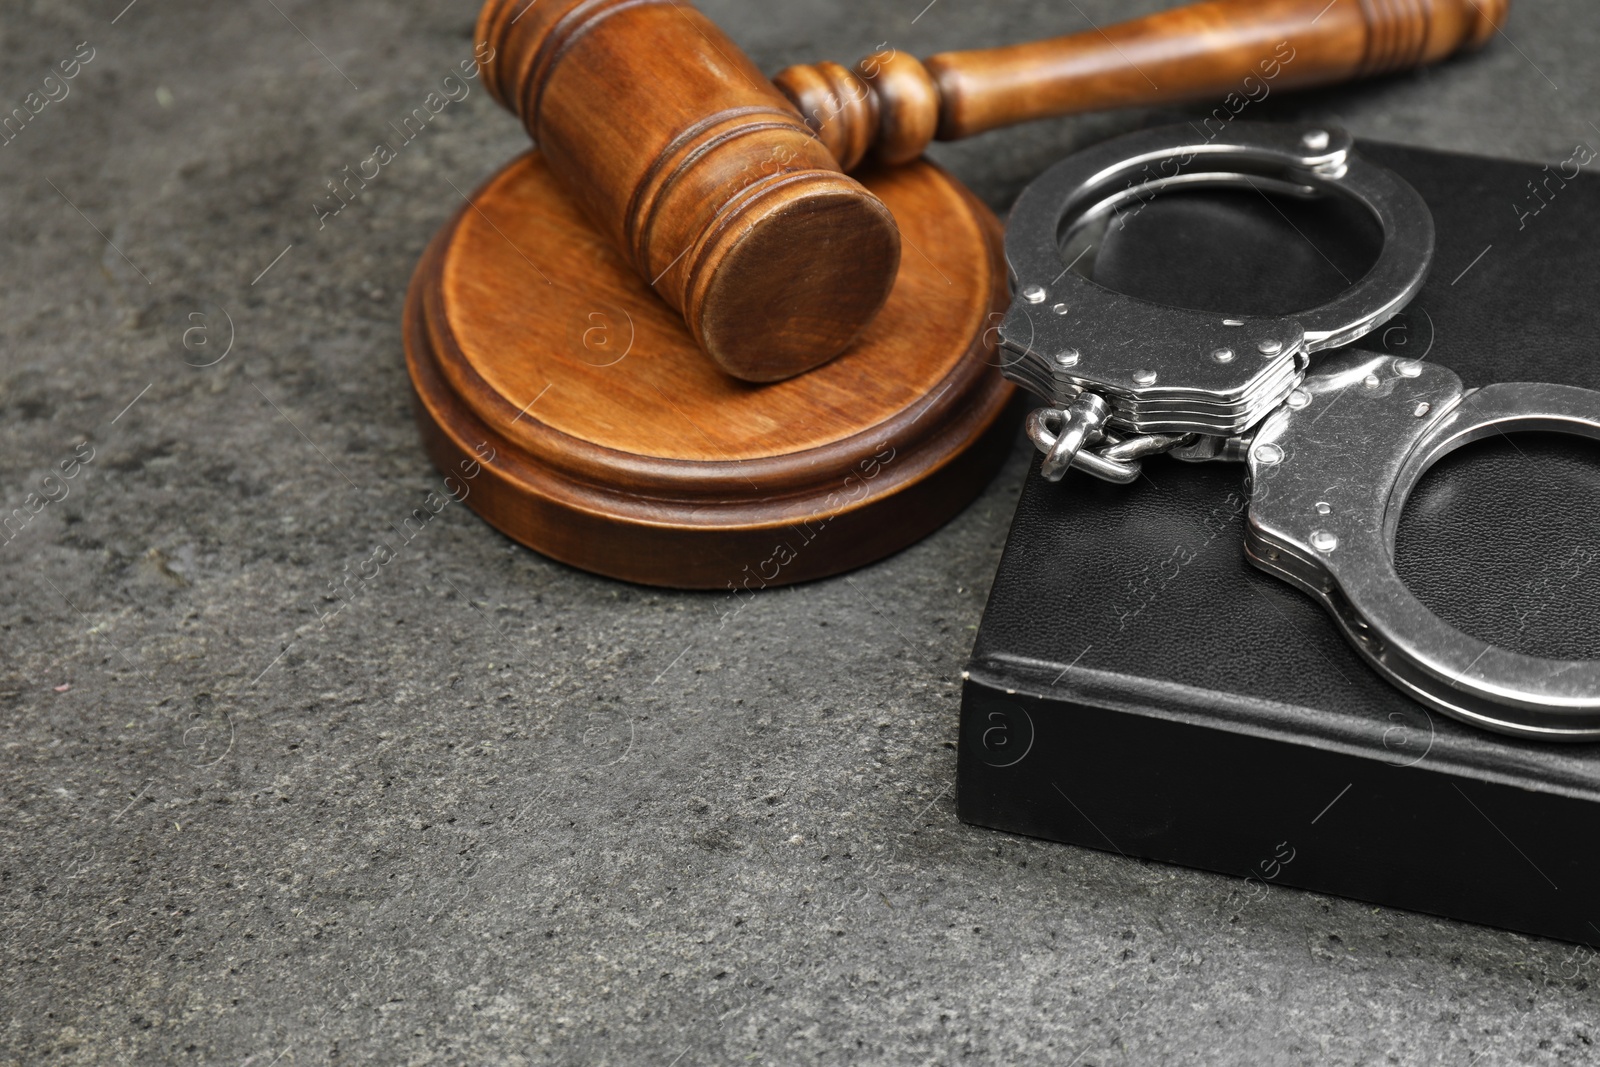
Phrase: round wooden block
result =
(608, 441)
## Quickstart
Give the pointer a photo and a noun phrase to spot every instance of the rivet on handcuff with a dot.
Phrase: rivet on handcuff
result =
(1325, 495)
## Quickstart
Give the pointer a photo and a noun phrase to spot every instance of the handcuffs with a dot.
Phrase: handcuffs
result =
(1126, 379)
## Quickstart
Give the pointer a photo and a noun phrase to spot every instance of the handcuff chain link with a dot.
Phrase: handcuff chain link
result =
(1065, 436)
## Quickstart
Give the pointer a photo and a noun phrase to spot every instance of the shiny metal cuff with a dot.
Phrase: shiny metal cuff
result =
(1326, 498)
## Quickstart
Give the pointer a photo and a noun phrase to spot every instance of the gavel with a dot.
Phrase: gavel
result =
(727, 192)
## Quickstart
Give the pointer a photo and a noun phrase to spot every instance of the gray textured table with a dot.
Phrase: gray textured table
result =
(497, 809)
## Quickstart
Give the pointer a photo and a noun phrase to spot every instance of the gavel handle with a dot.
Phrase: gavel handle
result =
(892, 105)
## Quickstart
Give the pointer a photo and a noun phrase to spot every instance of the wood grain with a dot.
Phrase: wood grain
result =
(682, 153)
(1204, 51)
(619, 449)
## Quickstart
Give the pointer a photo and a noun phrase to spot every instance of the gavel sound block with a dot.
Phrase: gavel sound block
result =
(602, 437)
(728, 193)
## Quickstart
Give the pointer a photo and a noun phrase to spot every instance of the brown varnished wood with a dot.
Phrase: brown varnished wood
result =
(837, 107)
(692, 163)
(1201, 51)
(618, 449)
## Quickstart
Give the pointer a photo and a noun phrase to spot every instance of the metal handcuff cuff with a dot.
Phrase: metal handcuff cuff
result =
(1126, 379)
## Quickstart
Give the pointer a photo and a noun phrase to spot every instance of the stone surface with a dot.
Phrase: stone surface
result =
(495, 809)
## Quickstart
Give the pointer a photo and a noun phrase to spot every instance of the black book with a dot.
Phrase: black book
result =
(1136, 686)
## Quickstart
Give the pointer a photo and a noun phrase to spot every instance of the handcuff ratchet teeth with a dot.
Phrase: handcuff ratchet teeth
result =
(1126, 379)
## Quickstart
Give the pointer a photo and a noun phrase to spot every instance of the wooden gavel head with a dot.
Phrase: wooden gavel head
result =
(727, 192)
(699, 170)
